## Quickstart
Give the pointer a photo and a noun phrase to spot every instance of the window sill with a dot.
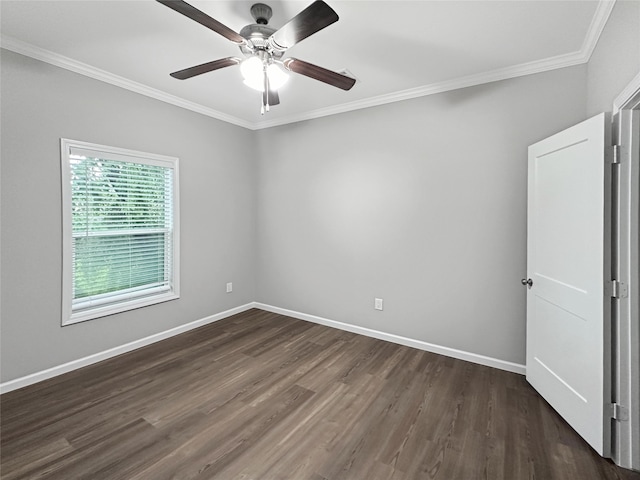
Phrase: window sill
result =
(120, 307)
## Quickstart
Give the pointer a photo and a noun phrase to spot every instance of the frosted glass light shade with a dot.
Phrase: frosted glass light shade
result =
(252, 71)
(277, 78)
(255, 83)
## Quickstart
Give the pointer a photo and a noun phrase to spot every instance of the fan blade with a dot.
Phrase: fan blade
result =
(312, 19)
(205, 67)
(318, 73)
(274, 98)
(203, 19)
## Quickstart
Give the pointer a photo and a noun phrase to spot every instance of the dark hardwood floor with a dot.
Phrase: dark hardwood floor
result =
(262, 396)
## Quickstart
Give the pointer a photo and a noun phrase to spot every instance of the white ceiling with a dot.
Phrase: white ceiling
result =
(396, 49)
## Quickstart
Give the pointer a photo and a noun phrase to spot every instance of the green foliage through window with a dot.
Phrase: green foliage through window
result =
(121, 221)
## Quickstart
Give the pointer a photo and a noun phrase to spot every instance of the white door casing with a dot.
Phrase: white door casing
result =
(569, 263)
(626, 331)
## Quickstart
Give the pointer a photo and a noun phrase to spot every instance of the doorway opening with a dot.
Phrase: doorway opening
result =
(626, 269)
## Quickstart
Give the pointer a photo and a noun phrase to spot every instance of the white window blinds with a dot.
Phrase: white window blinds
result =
(123, 235)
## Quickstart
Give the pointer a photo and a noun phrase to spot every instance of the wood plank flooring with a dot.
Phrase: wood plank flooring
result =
(263, 396)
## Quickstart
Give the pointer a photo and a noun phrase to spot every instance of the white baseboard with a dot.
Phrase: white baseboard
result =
(112, 352)
(409, 342)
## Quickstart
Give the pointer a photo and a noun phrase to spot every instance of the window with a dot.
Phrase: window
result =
(120, 230)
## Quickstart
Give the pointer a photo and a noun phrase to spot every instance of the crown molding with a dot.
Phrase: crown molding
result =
(530, 68)
(23, 48)
(629, 97)
(598, 22)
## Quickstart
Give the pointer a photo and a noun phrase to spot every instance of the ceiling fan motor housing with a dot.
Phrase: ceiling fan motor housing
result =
(257, 34)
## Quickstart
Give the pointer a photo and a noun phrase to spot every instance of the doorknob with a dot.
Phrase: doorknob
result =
(527, 281)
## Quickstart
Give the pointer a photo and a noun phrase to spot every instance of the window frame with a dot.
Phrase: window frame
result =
(69, 317)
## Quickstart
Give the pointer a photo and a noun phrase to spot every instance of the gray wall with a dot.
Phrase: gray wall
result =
(40, 104)
(421, 203)
(616, 58)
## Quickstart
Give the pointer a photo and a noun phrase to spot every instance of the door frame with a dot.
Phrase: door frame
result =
(625, 268)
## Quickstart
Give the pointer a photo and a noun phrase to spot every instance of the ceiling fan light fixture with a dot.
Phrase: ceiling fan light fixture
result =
(263, 46)
(252, 70)
(255, 84)
(277, 76)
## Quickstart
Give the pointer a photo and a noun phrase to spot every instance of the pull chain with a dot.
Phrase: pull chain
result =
(265, 92)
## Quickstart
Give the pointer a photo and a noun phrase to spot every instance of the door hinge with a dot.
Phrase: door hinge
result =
(615, 155)
(618, 289)
(617, 412)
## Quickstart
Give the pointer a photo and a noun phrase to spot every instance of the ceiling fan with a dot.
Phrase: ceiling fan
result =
(263, 48)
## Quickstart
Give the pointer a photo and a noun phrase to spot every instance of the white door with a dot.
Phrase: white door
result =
(568, 265)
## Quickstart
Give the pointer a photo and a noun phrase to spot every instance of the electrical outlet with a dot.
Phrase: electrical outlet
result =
(229, 287)
(378, 304)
